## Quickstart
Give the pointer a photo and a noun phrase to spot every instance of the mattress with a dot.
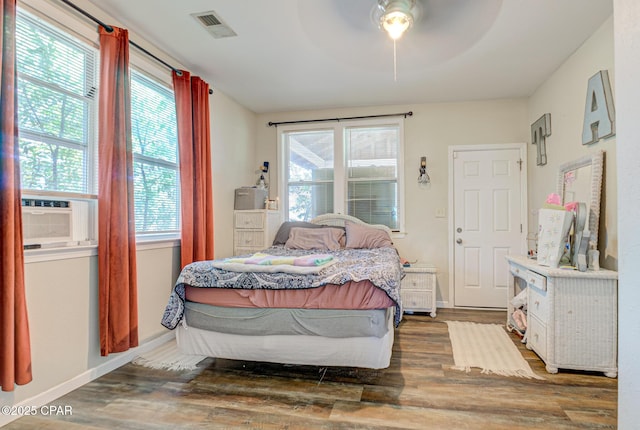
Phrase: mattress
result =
(331, 323)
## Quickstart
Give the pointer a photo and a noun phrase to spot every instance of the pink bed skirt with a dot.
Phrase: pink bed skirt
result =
(352, 295)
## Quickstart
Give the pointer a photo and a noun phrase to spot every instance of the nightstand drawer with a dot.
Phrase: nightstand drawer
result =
(417, 300)
(418, 281)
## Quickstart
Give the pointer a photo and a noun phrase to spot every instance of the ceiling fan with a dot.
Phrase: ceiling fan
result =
(428, 32)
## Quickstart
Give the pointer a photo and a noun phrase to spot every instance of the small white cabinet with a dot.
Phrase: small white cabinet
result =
(572, 316)
(254, 230)
(418, 289)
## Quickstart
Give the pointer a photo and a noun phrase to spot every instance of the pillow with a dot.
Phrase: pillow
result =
(306, 238)
(283, 232)
(362, 236)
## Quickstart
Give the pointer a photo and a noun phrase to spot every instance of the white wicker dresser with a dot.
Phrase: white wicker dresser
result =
(254, 230)
(572, 317)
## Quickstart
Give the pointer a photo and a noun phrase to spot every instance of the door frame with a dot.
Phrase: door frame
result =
(523, 202)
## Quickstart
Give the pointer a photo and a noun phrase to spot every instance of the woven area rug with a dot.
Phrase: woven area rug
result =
(488, 347)
(167, 356)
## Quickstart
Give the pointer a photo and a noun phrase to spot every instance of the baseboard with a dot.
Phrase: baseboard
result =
(60, 390)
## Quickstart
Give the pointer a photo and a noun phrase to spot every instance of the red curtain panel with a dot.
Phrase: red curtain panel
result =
(117, 277)
(196, 186)
(15, 349)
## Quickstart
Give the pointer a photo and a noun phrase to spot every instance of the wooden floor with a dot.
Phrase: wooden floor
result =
(418, 391)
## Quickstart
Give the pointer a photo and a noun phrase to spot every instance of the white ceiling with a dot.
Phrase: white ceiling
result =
(312, 54)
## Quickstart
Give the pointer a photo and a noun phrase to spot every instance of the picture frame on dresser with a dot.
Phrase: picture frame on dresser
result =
(580, 180)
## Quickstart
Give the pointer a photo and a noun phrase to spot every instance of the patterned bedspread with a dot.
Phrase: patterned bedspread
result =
(381, 266)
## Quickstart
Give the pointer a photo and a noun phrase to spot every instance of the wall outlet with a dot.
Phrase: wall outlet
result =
(441, 212)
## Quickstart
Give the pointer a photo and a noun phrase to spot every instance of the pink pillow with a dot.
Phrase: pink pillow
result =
(361, 236)
(314, 238)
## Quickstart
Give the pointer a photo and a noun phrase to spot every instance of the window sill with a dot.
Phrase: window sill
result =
(59, 253)
(90, 250)
(398, 234)
(156, 242)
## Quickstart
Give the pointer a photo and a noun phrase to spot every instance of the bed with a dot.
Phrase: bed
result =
(327, 293)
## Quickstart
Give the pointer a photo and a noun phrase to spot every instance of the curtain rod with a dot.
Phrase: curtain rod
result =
(276, 124)
(131, 42)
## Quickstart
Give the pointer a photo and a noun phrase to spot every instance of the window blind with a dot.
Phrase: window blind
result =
(154, 139)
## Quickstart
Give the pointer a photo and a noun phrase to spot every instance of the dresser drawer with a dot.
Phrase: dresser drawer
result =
(517, 271)
(249, 239)
(537, 336)
(535, 279)
(249, 220)
(239, 250)
(538, 304)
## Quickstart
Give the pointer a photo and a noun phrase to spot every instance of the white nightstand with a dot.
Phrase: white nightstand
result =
(418, 290)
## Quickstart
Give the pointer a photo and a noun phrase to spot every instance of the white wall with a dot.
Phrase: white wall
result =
(563, 95)
(627, 41)
(429, 132)
(233, 160)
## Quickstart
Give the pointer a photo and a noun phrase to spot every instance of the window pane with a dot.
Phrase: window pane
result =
(155, 145)
(52, 57)
(47, 166)
(310, 173)
(310, 156)
(308, 201)
(373, 202)
(372, 183)
(156, 199)
(52, 113)
(372, 152)
(56, 86)
(153, 120)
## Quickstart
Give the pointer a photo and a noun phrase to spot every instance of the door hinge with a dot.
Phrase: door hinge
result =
(520, 228)
(520, 163)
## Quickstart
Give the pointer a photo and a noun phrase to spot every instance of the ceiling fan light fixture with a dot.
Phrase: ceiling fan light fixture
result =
(396, 16)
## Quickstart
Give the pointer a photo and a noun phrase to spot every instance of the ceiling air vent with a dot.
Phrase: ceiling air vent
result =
(214, 25)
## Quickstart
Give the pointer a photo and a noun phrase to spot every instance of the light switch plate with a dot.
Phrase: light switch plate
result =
(441, 212)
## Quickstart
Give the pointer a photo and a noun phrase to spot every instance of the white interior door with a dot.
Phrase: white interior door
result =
(487, 221)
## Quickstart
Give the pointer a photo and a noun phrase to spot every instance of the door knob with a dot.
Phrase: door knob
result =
(458, 241)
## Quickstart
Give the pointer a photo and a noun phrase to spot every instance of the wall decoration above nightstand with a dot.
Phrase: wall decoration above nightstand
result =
(599, 111)
(540, 130)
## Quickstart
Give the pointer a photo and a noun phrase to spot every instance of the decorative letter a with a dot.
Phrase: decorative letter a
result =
(599, 112)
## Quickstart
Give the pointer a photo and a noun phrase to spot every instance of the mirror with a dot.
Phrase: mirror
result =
(581, 181)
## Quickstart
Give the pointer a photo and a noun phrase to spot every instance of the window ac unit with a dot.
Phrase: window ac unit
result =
(48, 222)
